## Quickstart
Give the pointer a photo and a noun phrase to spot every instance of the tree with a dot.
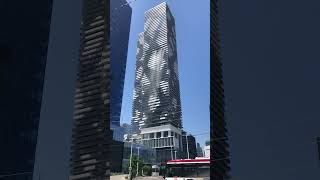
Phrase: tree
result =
(135, 160)
(147, 170)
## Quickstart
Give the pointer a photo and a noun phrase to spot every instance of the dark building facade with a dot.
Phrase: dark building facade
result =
(91, 134)
(191, 146)
(116, 148)
(120, 20)
(24, 39)
(318, 146)
(218, 133)
(199, 151)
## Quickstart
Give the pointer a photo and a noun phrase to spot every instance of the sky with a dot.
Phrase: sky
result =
(193, 48)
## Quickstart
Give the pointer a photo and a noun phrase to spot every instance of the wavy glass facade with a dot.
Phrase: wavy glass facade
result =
(157, 93)
(137, 121)
(218, 133)
(91, 135)
(156, 114)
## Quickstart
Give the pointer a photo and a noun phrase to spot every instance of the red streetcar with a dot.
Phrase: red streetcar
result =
(185, 169)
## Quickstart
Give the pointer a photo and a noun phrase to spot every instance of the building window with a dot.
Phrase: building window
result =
(165, 134)
(172, 133)
(158, 134)
(151, 135)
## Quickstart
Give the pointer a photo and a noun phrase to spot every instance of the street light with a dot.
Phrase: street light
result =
(130, 167)
(175, 154)
(138, 162)
(187, 146)
(171, 153)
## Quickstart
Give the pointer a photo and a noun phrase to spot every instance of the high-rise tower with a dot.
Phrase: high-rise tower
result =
(157, 106)
(218, 132)
(137, 92)
(24, 39)
(91, 135)
(158, 94)
(120, 20)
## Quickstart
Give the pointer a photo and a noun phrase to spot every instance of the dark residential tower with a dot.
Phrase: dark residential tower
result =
(218, 132)
(24, 39)
(91, 135)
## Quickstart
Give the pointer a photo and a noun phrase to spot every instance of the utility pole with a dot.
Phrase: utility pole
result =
(171, 153)
(175, 154)
(130, 167)
(187, 146)
(138, 163)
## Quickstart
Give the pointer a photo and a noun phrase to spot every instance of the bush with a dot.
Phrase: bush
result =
(147, 170)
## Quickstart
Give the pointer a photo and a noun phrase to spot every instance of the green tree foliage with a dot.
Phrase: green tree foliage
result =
(147, 170)
(136, 161)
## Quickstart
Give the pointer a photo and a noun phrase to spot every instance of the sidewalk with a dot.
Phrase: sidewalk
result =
(119, 177)
(148, 177)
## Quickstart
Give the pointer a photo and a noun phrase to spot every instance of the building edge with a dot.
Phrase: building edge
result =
(219, 153)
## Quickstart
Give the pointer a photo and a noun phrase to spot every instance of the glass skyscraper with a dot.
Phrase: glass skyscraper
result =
(157, 93)
(24, 38)
(120, 20)
(156, 105)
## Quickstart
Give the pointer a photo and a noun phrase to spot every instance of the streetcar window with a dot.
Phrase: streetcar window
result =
(190, 171)
(204, 171)
(174, 171)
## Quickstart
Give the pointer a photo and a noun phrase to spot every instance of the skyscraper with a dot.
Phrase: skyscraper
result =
(199, 151)
(218, 132)
(137, 92)
(24, 39)
(189, 146)
(120, 19)
(157, 107)
(91, 136)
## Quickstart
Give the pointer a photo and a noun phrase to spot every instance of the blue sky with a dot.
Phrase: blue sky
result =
(193, 31)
